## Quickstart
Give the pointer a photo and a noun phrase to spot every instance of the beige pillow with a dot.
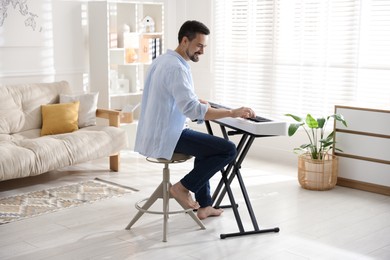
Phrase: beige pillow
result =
(59, 118)
(87, 109)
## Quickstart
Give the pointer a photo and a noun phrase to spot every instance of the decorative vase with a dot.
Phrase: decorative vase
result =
(316, 174)
(131, 55)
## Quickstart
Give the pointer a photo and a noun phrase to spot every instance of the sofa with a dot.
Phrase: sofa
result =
(44, 127)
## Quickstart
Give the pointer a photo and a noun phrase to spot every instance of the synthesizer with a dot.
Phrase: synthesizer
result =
(257, 125)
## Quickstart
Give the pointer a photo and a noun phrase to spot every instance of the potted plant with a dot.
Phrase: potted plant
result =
(317, 167)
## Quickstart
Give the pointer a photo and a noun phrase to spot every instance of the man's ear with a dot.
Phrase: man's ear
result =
(185, 40)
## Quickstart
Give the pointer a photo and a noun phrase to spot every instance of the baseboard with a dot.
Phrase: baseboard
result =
(385, 190)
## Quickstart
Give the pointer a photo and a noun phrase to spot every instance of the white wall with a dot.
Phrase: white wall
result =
(70, 43)
(200, 10)
(55, 50)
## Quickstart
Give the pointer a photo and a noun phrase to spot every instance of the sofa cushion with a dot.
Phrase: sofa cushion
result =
(20, 105)
(15, 161)
(5, 137)
(60, 118)
(87, 109)
(32, 133)
(22, 157)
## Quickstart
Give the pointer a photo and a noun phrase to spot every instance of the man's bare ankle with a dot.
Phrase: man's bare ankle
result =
(179, 187)
(182, 195)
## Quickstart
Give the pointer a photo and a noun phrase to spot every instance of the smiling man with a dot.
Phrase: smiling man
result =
(168, 100)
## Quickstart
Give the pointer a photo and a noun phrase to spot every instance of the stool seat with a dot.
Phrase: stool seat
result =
(176, 158)
(162, 192)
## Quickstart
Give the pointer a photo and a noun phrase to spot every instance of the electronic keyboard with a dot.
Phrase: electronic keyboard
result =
(257, 125)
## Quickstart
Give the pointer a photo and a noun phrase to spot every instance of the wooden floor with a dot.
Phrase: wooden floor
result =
(339, 224)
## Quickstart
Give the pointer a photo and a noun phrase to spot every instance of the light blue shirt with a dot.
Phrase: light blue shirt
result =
(168, 99)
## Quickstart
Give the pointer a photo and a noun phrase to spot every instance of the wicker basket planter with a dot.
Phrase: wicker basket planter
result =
(317, 174)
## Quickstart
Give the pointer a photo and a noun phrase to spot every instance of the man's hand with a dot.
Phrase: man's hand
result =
(204, 101)
(243, 112)
(216, 113)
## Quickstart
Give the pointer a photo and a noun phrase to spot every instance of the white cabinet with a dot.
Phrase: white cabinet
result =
(365, 160)
(124, 38)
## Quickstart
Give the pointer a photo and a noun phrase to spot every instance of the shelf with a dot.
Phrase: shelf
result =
(151, 35)
(117, 57)
(117, 49)
(126, 94)
(133, 64)
(128, 64)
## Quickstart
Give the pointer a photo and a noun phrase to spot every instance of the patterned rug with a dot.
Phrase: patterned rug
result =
(36, 203)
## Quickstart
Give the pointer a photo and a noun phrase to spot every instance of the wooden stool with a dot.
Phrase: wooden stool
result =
(162, 192)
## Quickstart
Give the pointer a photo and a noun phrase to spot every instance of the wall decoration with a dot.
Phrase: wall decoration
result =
(22, 22)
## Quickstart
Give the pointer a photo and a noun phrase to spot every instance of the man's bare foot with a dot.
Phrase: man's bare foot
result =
(209, 212)
(181, 194)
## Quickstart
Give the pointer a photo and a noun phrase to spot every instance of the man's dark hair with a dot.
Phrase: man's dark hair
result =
(191, 28)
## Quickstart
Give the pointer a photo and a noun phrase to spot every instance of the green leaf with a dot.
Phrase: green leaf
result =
(293, 128)
(326, 144)
(328, 141)
(296, 118)
(299, 150)
(321, 122)
(330, 136)
(304, 146)
(311, 122)
(340, 118)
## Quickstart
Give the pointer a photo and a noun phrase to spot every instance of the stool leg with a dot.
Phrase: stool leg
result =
(197, 220)
(165, 200)
(193, 216)
(162, 192)
(152, 199)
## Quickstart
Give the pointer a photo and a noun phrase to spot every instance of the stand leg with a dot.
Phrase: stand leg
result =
(233, 170)
(276, 230)
(233, 204)
(218, 193)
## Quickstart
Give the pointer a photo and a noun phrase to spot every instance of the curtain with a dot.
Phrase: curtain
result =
(301, 56)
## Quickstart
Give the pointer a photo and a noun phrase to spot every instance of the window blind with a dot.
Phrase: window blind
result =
(299, 56)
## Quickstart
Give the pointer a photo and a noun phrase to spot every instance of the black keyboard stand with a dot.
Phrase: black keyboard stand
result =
(231, 171)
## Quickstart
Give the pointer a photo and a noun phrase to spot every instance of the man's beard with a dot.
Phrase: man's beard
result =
(194, 57)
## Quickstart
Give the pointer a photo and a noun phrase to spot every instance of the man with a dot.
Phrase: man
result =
(168, 100)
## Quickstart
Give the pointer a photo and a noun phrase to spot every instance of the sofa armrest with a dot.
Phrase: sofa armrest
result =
(113, 116)
(114, 119)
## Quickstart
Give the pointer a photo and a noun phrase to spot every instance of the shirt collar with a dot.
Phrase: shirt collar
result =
(172, 52)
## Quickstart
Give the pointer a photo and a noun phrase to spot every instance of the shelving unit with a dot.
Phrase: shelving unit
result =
(124, 38)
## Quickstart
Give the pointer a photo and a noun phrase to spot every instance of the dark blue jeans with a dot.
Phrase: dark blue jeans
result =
(211, 154)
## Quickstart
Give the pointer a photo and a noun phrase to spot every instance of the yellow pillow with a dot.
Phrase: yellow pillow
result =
(60, 118)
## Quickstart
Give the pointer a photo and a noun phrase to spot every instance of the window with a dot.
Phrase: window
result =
(299, 56)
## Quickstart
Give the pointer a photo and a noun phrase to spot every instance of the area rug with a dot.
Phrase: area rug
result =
(36, 203)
